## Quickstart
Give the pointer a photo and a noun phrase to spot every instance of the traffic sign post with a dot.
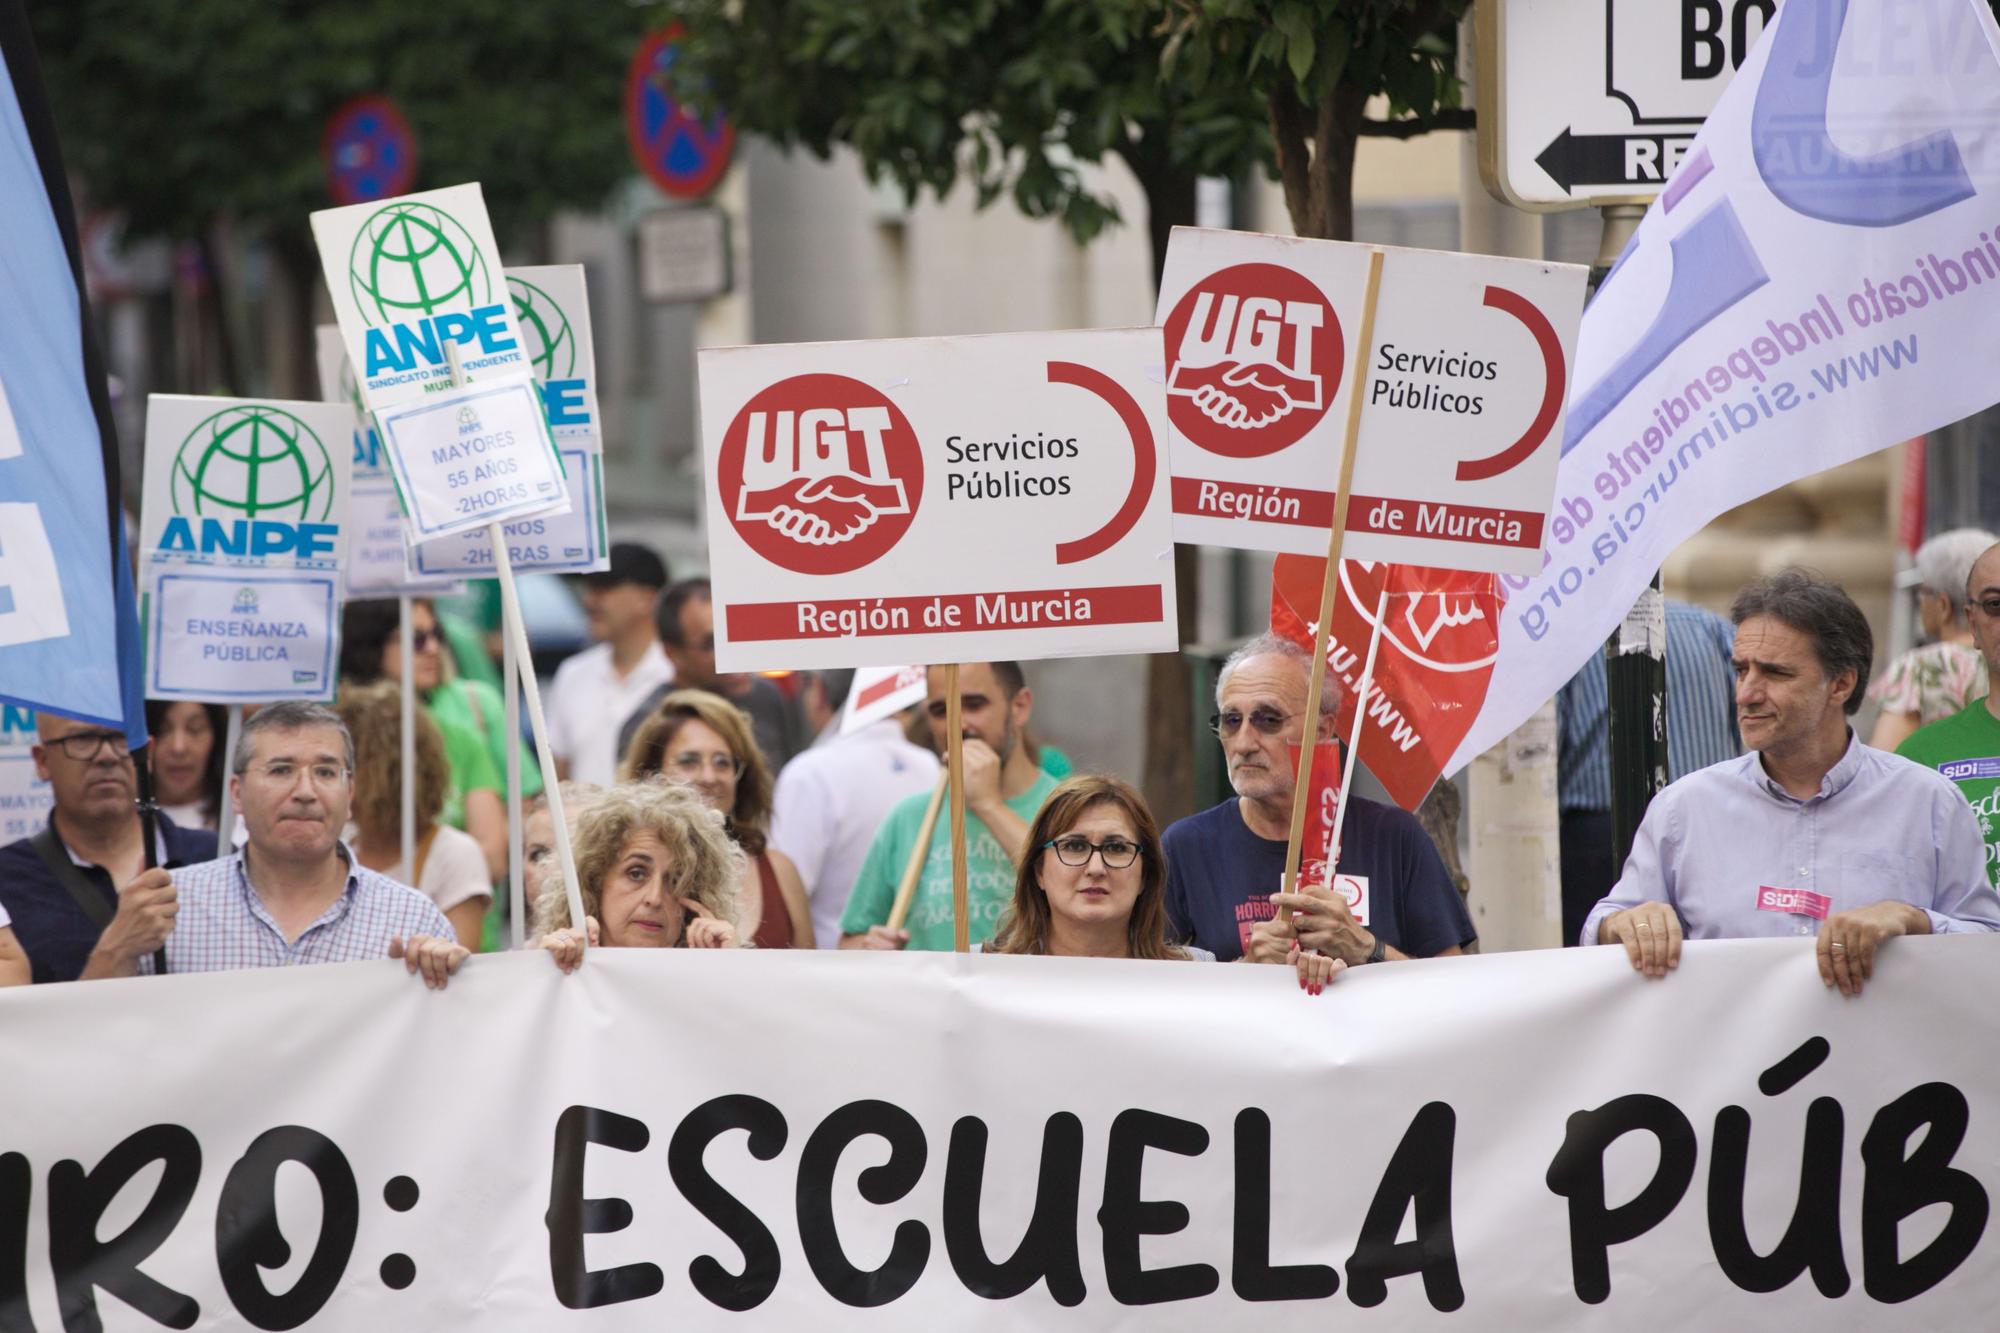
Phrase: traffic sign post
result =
(1584, 103)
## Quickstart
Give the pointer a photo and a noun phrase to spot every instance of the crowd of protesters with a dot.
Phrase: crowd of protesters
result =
(707, 810)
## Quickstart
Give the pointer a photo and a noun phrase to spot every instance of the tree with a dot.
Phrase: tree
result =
(1014, 96)
(186, 115)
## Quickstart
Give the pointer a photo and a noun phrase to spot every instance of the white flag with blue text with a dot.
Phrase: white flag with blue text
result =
(1819, 280)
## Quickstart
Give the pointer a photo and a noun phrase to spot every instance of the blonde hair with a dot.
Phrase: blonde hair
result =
(647, 756)
(373, 715)
(709, 865)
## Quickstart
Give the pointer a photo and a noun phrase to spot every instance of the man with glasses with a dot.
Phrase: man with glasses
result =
(79, 893)
(1005, 786)
(1226, 865)
(294, 894)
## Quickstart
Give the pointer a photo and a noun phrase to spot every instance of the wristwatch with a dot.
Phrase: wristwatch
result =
(1379, 952)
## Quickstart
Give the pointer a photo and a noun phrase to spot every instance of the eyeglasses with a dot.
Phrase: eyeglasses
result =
(1268, 721)
(1075, 850)
(690, 762)
(83, 746)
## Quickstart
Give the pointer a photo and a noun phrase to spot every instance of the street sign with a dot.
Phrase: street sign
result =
(1591, 102)
(370, 151)
(680, 152)
(683, 254)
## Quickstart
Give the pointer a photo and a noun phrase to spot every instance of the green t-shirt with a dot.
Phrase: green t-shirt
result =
(1965, 747)
(471, 768)
(989, 873)
(478, 708)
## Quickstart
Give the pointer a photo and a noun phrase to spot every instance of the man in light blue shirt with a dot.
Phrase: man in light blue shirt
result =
(1813, 833)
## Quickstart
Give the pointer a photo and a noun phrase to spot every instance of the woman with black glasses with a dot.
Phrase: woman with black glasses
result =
(1093, 884)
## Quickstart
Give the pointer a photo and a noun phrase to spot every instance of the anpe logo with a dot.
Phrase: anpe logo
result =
(260, 482)
(412, 260)
(821, 474)
(246, 602)
(1255, 354)
(545, 332)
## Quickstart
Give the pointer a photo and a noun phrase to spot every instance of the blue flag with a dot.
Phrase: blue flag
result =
(69, 635)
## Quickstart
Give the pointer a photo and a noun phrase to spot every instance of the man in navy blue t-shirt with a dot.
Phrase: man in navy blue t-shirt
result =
(1224, 864)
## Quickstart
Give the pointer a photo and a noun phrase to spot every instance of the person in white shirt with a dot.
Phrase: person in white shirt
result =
(597, 689)
(833, 797)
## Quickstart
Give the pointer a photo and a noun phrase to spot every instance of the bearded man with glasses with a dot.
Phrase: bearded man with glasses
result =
(79, 893)
(1226, 865)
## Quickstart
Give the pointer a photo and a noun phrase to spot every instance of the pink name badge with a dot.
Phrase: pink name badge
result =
(1796, 902)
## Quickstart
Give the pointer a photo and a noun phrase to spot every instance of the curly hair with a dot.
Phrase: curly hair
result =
(710, 866)
(1024, 928)
(374, 717)
(647, 756)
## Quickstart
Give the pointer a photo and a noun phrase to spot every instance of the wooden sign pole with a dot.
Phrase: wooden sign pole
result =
(961, 924)
(1363, 349)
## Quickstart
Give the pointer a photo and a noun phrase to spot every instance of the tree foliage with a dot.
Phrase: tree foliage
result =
(186, 113)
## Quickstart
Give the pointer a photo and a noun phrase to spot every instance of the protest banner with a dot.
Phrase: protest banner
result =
(552, 312)
(1521, 1141)
(242, 534)
(25, 798)
(1460, 397)
(1833, 223)
(416, 283)
(939, 500)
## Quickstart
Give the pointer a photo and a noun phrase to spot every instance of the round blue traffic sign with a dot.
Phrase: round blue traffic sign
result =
(683, 154)
(370, 152)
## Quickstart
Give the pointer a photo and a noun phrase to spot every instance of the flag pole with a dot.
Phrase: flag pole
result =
(517, 869)
(1354, 734)
(1316, 679)
(961, 925)
(913, 869)
(225, 808)
(407, 639)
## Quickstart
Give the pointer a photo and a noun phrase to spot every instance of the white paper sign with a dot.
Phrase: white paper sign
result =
(472, 457)
(552, 311)
(1463, 396)
(25, 799)
(938, 500)
(241, 638)
(237, 491)
(879, 692)
(376, 556)
(413, 278)
(1523, 1141)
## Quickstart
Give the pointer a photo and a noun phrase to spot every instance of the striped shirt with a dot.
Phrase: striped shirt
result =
(223, 925)
(1701, 710)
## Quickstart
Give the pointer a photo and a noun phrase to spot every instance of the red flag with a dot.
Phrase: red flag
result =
(1440, 632)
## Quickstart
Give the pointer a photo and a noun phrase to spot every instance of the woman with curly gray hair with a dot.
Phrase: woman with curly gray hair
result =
(656, 870)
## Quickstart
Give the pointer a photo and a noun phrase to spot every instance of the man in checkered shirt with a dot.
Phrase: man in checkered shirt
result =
(295, 894)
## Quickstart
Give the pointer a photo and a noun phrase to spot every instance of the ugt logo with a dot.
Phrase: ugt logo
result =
(820, 474)
(412, 260)
(1255, 356)
(257, 481)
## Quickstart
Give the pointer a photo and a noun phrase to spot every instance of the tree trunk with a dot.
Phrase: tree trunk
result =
(1316, 159)
(1168, 780)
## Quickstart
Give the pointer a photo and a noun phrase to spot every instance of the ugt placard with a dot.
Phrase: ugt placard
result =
(938, 500)
(242, 535)
(1462, 397)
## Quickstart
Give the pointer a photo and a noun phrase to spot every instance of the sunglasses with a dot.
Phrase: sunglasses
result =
(1268, 721)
